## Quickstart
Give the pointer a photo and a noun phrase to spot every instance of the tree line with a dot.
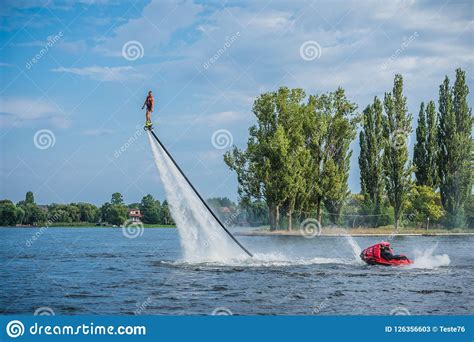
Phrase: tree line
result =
(297, 158)
(115, 212)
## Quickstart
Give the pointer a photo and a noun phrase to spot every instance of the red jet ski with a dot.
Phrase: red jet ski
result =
(373, 256)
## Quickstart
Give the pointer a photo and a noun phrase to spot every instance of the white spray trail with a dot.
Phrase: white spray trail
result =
(202, 239)
(426, 259)
(356, 250)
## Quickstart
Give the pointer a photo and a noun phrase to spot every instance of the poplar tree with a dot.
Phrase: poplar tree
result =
(341, 132)
(329, 127)
(420, 150)
(455, 149)
(432, 145)
(296, 158)
(426, 147)
(316, 122)
(397, 127)
(370, 159)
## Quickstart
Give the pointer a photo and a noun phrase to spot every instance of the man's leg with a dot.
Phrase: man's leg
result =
(148, 116)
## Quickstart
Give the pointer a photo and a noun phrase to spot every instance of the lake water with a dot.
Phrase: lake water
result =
(100, 271)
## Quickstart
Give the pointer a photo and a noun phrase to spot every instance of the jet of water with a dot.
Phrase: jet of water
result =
(202, 239)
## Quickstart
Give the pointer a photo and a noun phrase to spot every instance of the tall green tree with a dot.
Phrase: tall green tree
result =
(397, 127)
(115, 214)
(29, 198)
(371, 160)
(341, 132)
(455, 149)
(32, 213)
(117, 198)
(295, 156)
(316, 123)
(260, 167)
(150, 209)
(425, 155)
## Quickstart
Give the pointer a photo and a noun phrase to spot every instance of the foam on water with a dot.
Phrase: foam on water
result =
(266, 260)
(427, 260)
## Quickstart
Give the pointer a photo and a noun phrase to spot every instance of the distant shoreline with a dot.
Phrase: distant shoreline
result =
(299, 234)
(381, 231)
(264, 231)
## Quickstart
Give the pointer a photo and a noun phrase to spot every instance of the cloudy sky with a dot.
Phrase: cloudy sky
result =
(74, 76)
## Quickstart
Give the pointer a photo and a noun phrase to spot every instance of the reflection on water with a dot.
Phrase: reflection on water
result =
(99, 271)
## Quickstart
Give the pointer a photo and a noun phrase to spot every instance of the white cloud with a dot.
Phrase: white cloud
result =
(154, 28)
(98, 131)
(270, 21)
(223, 118)
(103, 73)
(16, 112)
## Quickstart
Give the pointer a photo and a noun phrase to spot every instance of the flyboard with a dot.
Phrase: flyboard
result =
(196, 192)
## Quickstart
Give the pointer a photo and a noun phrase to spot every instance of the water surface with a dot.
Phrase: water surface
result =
(100, 271)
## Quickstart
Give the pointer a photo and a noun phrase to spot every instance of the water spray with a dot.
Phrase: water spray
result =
(199, 196)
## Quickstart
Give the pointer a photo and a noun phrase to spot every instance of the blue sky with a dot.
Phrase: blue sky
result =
(63, 69)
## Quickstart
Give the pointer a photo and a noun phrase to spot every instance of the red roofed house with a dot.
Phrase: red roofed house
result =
(135, 215)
